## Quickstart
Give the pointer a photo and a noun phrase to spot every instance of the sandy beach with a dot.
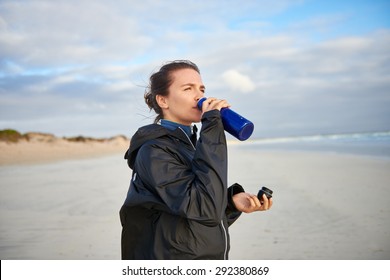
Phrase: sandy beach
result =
(62, 202)
(44, 148)
(326, 206)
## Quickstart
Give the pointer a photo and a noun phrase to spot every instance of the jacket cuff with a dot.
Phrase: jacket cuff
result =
(232, 190)
(212, 113)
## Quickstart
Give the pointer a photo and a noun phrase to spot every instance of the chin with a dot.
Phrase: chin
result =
(197, 120)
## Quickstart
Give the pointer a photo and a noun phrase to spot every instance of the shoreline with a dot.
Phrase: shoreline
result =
(37, 147)
(38, 151)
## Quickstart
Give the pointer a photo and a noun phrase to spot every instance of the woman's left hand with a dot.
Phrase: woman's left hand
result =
(249, 203)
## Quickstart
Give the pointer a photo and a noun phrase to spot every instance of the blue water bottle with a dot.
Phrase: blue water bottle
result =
(236, 125)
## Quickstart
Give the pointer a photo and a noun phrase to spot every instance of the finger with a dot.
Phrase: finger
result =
(265, 202)
(214, 103)
(207, 103)
(251, 202)
(270, 203)
(257, 201)
(222, 103)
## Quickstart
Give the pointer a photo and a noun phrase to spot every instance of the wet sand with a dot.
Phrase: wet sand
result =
(326, 206)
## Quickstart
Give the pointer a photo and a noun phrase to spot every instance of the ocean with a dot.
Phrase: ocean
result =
(369, 144)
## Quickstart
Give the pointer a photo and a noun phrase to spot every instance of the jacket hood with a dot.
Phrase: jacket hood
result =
(147, 133)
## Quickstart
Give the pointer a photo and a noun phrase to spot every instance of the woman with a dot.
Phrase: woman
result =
(178, 205)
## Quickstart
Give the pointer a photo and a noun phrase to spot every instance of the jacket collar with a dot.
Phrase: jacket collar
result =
(150, 132)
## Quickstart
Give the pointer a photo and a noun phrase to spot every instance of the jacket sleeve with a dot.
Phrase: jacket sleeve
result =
(231, 212)
(196, 191)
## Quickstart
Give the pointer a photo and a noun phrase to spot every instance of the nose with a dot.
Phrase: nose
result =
(199, 95)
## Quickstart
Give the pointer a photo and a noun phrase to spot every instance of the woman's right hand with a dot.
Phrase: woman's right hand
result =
(213, 103)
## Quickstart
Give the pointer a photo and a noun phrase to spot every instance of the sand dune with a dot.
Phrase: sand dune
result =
(42, 147)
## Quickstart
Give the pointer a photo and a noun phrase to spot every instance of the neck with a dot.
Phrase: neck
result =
(173, 125)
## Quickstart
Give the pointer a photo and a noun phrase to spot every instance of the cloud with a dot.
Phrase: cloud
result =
(46, 33)
(237, 81)
(92, 60)
(120, 86)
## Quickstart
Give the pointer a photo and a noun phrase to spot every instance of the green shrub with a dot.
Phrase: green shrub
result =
(10, 135)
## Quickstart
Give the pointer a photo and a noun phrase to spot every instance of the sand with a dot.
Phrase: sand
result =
(326, 205)
(43, 149)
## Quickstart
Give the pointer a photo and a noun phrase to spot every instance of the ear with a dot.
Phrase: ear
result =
(162, 101)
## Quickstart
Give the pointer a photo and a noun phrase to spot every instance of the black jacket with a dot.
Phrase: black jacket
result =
(178, 205)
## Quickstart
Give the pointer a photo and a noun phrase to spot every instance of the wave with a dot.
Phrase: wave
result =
(350, 137)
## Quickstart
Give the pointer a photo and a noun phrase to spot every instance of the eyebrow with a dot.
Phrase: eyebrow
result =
(192, 85)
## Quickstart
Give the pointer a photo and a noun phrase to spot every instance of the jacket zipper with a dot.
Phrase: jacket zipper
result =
(226, 245)
(223, 227)
(187, 137)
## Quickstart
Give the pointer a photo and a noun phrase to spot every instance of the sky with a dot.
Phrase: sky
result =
(292, 67)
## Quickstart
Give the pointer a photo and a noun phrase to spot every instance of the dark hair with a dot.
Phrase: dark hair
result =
(160, 82)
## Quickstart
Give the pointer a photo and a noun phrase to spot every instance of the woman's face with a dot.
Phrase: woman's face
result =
(185, 91)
